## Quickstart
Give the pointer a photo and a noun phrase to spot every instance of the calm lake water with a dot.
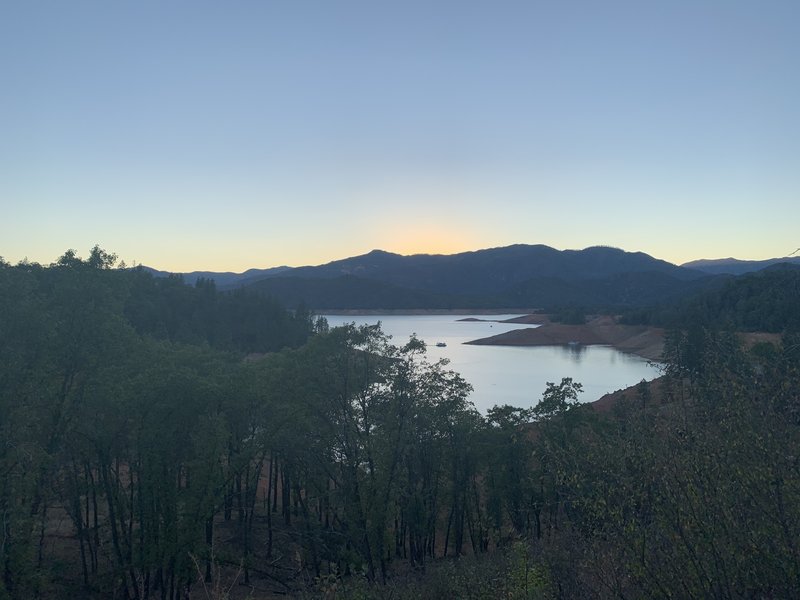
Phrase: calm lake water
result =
(507, 374)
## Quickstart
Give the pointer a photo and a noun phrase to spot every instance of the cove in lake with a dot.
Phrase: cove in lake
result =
(510, 374)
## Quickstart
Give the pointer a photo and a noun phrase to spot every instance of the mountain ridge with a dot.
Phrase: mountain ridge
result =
(490, 269)
(222, 279)
(735, 266)
(515, 275)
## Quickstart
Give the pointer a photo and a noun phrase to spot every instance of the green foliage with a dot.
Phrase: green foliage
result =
(762, 301)
(240, 320)
(361, 466)
(666, 498)
(557, 399)
(569, 316)
(151, 444)
(123, 432)
(512, 573)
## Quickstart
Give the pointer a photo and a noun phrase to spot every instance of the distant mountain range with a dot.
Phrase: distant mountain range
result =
(223, 280)
(518, 276)
(733, 266)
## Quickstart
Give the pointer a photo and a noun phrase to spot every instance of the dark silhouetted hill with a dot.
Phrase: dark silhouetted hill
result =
(512, 276)
(223, 280)
(766, 301)
(509, 277)
(495, 270)
(733, 266)
(351, 292)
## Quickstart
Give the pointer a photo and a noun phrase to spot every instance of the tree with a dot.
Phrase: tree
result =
(557, 399)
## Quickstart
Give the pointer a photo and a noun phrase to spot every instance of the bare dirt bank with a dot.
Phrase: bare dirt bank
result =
(647, 342)
(424, 311)
(528, 319)
(607, 402)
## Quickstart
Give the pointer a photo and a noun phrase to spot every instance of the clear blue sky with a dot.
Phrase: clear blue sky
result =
(226, 135)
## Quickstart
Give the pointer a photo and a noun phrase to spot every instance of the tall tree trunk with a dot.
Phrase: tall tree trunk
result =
(209, 548)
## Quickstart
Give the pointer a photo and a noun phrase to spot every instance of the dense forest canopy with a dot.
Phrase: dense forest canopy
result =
(763, 301)
(143, 457)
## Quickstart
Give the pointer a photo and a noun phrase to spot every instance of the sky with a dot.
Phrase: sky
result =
(193, 135)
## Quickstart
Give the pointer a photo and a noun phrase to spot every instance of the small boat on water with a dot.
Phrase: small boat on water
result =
(441, 345)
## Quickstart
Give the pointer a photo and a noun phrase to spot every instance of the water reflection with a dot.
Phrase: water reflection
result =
(575, 352)
(511, 374)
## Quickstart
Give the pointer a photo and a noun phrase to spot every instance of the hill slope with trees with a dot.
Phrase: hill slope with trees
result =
(763, 301)
(142, 457)
(733, 266)
(511, 277)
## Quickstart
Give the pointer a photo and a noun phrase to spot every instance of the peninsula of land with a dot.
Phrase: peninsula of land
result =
(647, 342)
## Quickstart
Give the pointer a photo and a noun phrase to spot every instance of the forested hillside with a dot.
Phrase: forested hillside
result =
(239, 320)
(515, 276)
(732, 266)
(350, 292)
(143, 457)
(492, 270)
(762, 301)
(616, 292)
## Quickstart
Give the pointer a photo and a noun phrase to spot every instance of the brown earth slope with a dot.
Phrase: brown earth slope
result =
(647, 342)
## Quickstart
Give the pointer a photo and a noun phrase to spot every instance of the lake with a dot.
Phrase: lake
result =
(510, 374)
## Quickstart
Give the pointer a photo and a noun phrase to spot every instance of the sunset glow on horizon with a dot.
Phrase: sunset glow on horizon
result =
(196, 136)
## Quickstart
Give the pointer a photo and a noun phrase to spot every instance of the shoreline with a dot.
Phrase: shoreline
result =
(645, 342)
(425, 311)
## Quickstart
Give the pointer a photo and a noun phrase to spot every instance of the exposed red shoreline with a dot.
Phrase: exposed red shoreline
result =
(647, 342)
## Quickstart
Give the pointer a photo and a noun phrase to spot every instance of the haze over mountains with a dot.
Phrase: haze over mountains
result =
(513, 276)
(733, 266)
(225, 279)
